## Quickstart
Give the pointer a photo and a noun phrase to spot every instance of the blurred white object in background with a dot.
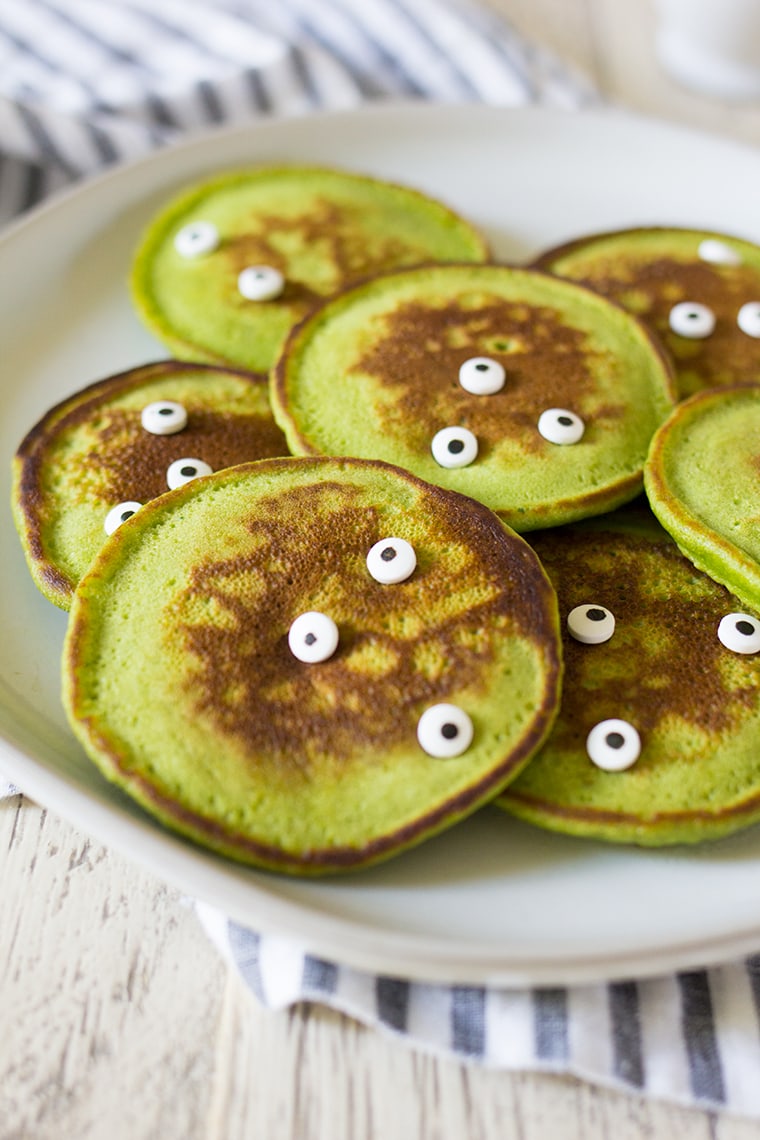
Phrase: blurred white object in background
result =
(711, 46)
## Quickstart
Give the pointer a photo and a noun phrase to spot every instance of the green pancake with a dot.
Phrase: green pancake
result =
(180, 683)
(650, 270)
(374, 373)
(694, 703)
(319, 228)
(702, 480)
(90, 453)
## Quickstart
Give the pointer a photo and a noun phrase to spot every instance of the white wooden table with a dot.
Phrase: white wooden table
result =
(119, 1021)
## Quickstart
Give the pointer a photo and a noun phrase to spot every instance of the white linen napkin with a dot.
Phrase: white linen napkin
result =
(83, 85)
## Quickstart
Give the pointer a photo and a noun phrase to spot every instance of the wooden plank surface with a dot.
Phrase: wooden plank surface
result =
(120, 1022)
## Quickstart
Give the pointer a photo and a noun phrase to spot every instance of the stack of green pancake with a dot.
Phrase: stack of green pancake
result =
(305, 630)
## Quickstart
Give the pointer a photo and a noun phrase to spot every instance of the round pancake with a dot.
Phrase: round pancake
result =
(90, 453)
(650, 270)
(180, 682)
(694, 703)
(701, 479)
(319, 228)
(374, 373)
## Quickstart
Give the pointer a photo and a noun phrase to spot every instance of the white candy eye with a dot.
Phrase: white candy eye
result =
(454, 447)
(482, 376)
(560, 426)
(391, 560)
(261, 283)
(613, 745)
(591, 624)
(313, 637)
(196, 239)
(444, 730)
(748, 318)
(740, 633)
(692, 320)
(718, 253)
(183, 470)
(164, 417)
(119, 514)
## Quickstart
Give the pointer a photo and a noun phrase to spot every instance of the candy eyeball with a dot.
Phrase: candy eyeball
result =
(454, 447)
(718, 252)
(740, 633)
(613, 745)
(391, 560)
(482, 376)
(591, 624)
(558, 425)
(313, 637)
(183, 470)
(748, 318)
(692, 320)
(164, 417)
(261, 283)
(196, 239)
(119, 514)
(444, 730)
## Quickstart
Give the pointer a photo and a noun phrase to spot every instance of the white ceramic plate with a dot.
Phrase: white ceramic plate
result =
(492, 900)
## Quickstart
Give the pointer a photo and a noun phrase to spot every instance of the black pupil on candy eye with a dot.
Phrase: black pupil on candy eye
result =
(455, 446)
(449, 731)
(481, 367)
(614, 740)
(310, 638)
(388, 554)
(164, 411)
(126, 515)
(188, 471)
(565, 421)
(595, 615)
(745, 627)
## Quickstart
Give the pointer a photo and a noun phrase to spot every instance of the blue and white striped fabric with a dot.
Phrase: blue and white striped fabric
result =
(692, 1038)
(85, 84)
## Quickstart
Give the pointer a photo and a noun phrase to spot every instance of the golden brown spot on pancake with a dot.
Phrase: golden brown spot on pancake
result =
(652, 289)
(430, 659)
(132, 463)
(664, 659)
(310, 553)
(374, 658)
(548, 364)
(336, 238)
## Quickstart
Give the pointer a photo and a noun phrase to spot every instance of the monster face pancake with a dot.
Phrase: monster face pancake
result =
(231, 264)
(656, 741)
(531, 394)
(699, 291)
(311, 664)
(99, 456)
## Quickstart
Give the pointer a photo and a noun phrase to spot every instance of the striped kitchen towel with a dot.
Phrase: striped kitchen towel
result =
(692, 1038)
(84, 84)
